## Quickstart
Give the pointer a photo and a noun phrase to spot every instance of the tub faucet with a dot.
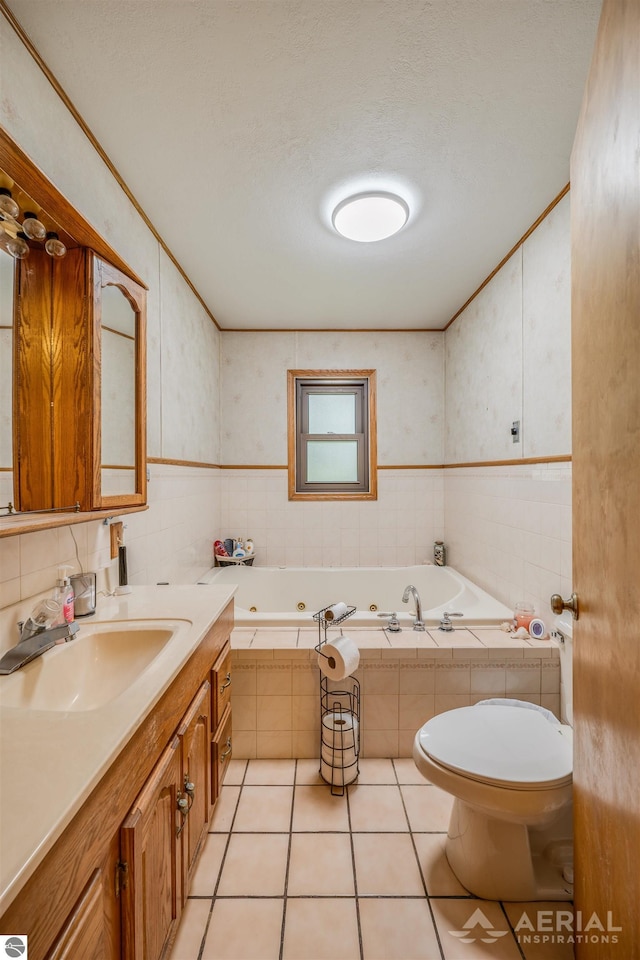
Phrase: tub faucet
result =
(34, 641)
(418, 623)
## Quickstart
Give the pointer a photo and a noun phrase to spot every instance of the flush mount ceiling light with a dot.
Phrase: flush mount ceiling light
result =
(367, 217)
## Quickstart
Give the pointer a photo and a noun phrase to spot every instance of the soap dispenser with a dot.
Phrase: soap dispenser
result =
(63, 593)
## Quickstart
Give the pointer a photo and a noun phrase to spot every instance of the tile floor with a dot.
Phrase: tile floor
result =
(290, 872)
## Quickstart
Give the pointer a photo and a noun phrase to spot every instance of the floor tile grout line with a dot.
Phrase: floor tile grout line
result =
(424, 882)
(286, 872)
(513, 933)
(222, 862)
(355, 876)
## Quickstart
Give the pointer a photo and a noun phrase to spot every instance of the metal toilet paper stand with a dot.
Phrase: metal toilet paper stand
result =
(340, 738)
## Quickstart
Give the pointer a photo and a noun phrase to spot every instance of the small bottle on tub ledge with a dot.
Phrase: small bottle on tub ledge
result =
(439, 553)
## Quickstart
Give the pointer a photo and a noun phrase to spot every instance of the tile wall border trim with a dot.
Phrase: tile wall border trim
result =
(521, 461)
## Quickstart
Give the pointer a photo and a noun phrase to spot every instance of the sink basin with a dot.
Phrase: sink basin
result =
(85, 674)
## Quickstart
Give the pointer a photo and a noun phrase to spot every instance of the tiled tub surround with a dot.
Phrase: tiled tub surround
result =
(405, 680)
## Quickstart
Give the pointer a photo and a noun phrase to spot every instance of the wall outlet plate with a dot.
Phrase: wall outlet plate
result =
(515, 431)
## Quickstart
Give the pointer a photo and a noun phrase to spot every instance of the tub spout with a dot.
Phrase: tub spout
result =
(418, 623)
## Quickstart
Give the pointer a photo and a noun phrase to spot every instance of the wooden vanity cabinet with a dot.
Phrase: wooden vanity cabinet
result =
(195, 734)
(83, 935)
(221, 719)
(151, 863)
(114, 883)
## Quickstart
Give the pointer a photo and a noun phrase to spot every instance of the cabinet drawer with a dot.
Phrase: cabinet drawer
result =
(221, 753)
(221, 685)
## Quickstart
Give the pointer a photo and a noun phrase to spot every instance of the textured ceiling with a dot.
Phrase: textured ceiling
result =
(267, 113)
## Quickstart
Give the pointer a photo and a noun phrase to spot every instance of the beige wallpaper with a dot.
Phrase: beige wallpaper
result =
(409, 380)
(546, 327)
(182, 342)
(508, 355)
(484, 371)
(190, 365)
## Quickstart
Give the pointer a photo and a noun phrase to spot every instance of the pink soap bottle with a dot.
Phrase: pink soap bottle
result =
(63, 593)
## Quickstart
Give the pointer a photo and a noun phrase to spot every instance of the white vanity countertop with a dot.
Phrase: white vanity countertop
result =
(51, 761)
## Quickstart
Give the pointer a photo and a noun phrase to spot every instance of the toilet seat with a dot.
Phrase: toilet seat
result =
(503, 746)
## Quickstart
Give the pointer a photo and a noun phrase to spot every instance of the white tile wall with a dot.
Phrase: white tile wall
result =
(396, 530)
(171, 541)
(509, 529)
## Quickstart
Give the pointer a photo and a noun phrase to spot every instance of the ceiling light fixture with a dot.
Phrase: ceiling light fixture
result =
(368, 217)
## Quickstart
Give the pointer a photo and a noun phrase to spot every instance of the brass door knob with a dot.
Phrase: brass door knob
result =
(558, 604)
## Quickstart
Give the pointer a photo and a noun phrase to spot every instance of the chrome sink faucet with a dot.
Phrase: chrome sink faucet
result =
(418, 623)
(34, 640)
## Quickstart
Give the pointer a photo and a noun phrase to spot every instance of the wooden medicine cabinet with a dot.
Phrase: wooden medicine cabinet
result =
(77, 348)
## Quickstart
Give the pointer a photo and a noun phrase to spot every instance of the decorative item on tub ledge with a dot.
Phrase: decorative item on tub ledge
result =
(231, 552)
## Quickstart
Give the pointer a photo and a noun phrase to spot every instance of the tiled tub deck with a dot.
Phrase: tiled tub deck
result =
(405, 679)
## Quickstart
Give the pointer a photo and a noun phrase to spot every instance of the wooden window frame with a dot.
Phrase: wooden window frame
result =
(366, 436)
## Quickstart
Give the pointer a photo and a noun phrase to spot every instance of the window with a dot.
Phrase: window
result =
(332, 435)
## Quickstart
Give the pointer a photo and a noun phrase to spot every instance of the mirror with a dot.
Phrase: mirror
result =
(118, 392)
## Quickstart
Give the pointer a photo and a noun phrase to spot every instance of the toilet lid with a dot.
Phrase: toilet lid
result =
(508, 746)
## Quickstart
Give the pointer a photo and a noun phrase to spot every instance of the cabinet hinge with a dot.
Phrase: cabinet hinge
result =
(122, 876)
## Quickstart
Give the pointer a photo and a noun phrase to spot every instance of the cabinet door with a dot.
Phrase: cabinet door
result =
(195, 732)
(150, 849)
(221, 685)
(84, 935)
(221, 752)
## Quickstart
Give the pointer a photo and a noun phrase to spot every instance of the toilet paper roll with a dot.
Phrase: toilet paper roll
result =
(339, 735)
(339, 658)
(336, 776)
(336, 611)
(339, 758)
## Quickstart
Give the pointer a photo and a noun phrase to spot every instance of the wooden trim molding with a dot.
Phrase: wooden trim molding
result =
(253, 466)
(534, 226)
(15, 524)
(331, 329)
(521, 461)
(184, 463)
(97, 146)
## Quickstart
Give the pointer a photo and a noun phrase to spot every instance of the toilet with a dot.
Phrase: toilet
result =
(509, 768)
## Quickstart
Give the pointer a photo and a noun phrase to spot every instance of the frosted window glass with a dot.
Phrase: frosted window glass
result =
(332, 461)
(332, 413)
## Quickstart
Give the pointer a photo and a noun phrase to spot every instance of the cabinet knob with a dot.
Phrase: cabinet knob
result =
(189, 787)
(226, 753)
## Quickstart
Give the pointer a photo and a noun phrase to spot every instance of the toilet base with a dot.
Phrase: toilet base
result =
(498, 860)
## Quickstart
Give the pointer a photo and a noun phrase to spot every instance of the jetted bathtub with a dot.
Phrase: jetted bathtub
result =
(288, 596)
